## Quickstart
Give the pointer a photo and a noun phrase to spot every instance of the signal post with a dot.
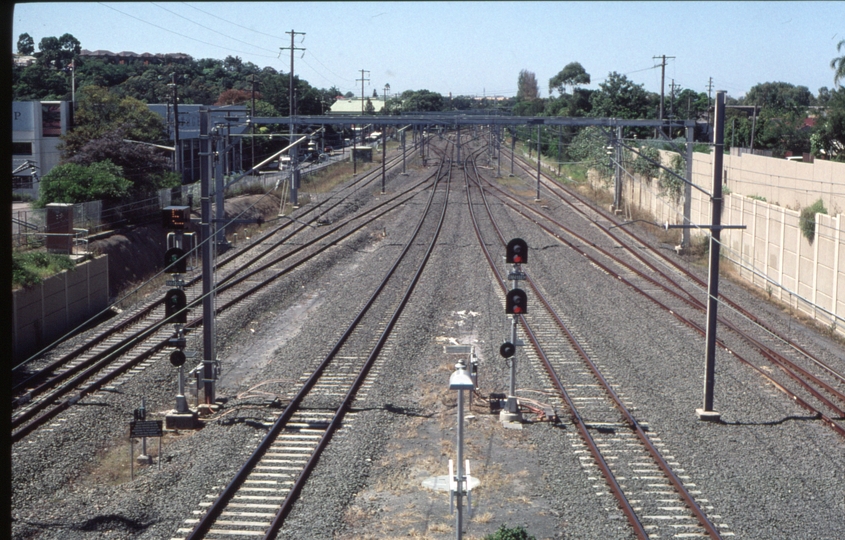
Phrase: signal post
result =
(176, 219)
(516, 304)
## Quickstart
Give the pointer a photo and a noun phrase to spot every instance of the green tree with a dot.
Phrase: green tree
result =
(828, 140)
(618, 97)
(573, 74)
(421, 101)
(779, 96)
(527, 87)
(100, 111)
(26, 45)
(838, 64)
(57, 52)
(74, 183)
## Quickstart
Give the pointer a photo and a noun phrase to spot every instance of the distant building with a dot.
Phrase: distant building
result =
(36, 127)
(350, 106)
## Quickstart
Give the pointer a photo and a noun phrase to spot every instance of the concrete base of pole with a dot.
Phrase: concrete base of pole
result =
(144, 459)
(538, 200)
(708, 416)
(182, 405)
(177, 420)
(510, 420)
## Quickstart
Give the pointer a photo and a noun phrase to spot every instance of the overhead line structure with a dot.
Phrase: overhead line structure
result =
(468, 120)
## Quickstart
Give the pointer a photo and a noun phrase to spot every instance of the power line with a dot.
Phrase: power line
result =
(178, 34)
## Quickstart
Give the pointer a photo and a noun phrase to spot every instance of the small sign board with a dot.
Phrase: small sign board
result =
(146, 428)
(517, 276)
(175, 282)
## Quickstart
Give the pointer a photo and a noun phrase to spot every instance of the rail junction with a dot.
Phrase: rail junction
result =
(331, 327)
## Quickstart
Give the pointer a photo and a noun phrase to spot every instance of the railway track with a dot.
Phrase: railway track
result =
(820, 387)
(647, 488)
(261, 494)
(113, 354)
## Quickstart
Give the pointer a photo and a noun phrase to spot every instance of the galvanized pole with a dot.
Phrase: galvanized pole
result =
(513, 148)
(685, 241)
(617, 187)
(220, 209)
(459, 144)
(403, 152)
(498, 152)
(206, 233)
(713, 281)
(383, 155)
(539, 155)
(459, 477)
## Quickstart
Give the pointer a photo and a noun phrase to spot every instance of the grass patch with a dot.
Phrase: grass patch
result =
(807, 221)
(30, 268)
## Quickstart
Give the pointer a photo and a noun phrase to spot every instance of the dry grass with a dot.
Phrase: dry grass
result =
(486, 517)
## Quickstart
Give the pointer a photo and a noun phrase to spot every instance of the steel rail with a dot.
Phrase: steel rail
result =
(614, 486)
(688, 499)
(825, 418)
(762, 348)
(555, 186)
(217, 507)
(105, 359)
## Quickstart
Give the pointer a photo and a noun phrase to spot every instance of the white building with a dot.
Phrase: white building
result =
(36, 127)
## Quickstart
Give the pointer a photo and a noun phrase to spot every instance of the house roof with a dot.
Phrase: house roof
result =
(353, 105)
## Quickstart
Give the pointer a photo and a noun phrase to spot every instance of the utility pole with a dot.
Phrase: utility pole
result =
(252, 124)
(178, 157)
(294, 177)
(709, 91)
(662, 82)
(707, 412)
(362, 79)
(209, 354)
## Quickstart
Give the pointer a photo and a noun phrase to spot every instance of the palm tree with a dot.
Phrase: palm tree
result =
(838, 64)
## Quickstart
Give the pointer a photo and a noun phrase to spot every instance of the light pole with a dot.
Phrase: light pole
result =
(460, 380)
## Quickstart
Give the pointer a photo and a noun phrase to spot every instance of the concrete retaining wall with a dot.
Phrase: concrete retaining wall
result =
(772, 253)
(47, 311)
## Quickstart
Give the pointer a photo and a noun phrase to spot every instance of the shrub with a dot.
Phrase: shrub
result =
(30, 268)
(807, 221)
(516, 533)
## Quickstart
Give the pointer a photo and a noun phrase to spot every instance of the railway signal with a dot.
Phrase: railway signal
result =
(517, 252)
(175, 261)
(507, 349)
(175, 303)
(516, 303)
(177, 358)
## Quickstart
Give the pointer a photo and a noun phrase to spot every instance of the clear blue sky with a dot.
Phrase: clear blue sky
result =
(472, 48)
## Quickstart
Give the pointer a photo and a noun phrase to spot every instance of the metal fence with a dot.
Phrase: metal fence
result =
(29, 227)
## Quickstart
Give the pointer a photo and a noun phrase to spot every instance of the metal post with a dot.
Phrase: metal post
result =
(498, 153)
(559, 141)
(685, 240)
(383, 155)
(617, 187)
(512, 405)
(176, 146)
(403, 152)
(459, 477)
(220, 210)
(206, 232)
(143, 457)
(354, 163)
(539, 157)
(707, 412)
(513, 148)
(459, 144)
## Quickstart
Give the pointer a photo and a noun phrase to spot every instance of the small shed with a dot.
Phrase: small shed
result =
(363, 154)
